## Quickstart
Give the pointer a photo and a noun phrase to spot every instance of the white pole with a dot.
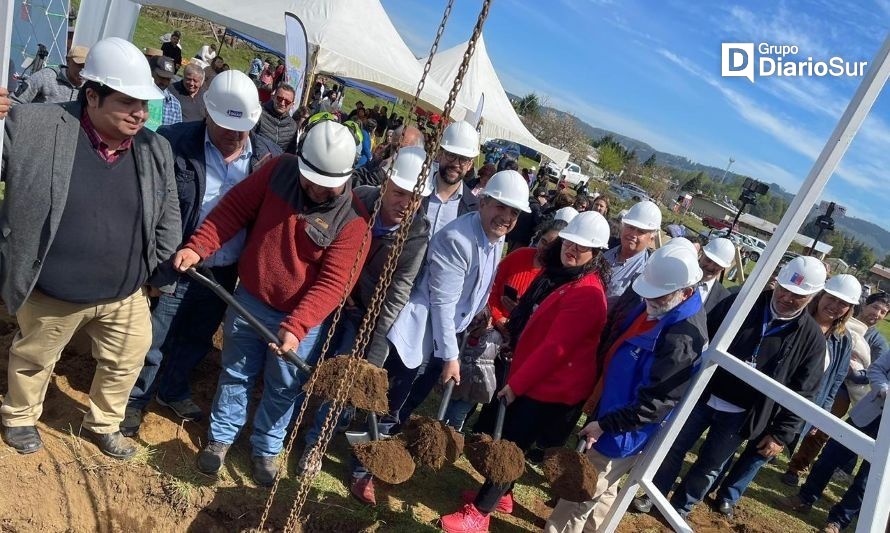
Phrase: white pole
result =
(6, 14)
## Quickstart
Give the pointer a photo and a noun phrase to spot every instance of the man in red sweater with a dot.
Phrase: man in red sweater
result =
(304, 233)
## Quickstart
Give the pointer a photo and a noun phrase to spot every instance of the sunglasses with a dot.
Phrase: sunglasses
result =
(284, 101)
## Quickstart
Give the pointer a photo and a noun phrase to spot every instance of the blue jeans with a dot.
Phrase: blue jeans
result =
(341, 344)
(834, 456)
(741, 474)
(457, 413)
(722, 441)
(183, 324)
(245, 357)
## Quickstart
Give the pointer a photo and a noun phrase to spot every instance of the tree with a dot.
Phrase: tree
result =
(650, 162)
(695, 184)
(528, 106)
(559, 130)
(610, 159)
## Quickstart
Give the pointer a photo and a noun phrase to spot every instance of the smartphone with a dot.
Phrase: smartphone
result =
(511, 293)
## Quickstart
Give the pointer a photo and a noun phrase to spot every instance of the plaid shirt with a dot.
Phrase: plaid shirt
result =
(109, 155)
(172, 110)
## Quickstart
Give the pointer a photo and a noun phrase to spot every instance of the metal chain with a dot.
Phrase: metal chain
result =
(369, 320)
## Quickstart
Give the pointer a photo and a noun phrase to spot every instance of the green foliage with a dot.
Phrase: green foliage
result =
(610, 159)
(649, 163)
(528, 106)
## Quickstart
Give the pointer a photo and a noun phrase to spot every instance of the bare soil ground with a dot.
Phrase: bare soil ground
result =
(70, 487)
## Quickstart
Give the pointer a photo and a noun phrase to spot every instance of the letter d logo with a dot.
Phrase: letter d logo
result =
(737, 60)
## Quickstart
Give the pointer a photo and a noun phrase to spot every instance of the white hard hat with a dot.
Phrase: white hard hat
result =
(509, 188)
(681, 241)
(802, 275)
(670, 268)
(406, 168)
(327, 154)
(566, 214)
(461, 138)
(587, 229)
(844, 287)
(644, 215)
(232, 101)
(720, 251)
(121, 66)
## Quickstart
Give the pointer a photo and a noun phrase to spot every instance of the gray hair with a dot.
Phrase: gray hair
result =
(193, 68)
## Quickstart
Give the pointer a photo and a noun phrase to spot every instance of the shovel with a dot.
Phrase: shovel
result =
(258, 326)
(387, 459)
(431, 441)
(500, 461)
(570, 474)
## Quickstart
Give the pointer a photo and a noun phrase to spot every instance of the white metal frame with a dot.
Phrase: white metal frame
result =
(876, 505)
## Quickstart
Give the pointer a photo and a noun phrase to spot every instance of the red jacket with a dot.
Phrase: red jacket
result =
(517, 270)
(298, 256)
(555, 359)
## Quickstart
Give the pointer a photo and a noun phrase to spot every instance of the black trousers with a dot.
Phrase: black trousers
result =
(527, 421)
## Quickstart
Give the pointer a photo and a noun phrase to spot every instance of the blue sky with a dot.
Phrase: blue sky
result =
(651, 70)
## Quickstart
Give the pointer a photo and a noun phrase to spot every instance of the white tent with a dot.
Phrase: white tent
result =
(500, 120)
(354, 38)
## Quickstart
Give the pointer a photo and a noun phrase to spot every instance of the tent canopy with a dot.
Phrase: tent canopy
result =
(499, 118)
(255, 42)
(337, 30)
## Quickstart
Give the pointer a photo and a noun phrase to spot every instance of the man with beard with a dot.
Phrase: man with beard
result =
(779, 339)
(276, 123)
(452, 198)
(628, 259)
(649, 359)
(188, 91)
(453, 288)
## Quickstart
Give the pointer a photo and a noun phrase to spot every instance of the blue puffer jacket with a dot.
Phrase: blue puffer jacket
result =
(647, 377)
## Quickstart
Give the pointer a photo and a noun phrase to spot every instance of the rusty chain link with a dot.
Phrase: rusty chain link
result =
(365, 332)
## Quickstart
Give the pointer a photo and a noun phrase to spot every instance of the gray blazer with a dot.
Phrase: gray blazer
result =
(38, 156)
(872, 406)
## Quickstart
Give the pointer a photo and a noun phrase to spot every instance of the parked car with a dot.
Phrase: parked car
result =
(629, 191)
(751, 247)
(715, 223)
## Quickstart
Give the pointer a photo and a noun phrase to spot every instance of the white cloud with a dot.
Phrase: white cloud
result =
(779, 26)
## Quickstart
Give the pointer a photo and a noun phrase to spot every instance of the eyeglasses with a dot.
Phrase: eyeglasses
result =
(463, 160)
(284, 101)
(580, 249)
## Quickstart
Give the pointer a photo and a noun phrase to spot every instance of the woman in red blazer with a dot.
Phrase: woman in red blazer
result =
(555, 328)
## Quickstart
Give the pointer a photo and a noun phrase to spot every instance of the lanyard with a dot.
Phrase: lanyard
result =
(764, 332)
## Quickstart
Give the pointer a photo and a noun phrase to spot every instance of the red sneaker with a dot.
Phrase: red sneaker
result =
(467, 520)
(362, 489)
(505, 504)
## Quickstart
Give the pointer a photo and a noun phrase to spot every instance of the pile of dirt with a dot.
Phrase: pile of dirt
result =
(499, 461)
(388, 460)
(570, 474)
(369, 387)
(432, 442)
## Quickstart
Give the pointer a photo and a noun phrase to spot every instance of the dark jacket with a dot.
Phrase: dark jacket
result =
(522, 233)
(38, 156)
(648, 375)
(717, 294)
(468, 202)
(407, 267)
(793, 356)
(187, 138)
(280, 129)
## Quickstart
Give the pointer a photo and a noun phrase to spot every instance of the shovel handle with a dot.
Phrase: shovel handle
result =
(224, 295)
(582, 445)
(446, 399)
(499, 424)
(372, 426)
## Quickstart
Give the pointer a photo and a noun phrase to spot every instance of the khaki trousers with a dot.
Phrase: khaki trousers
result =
(587, 517)
(121, 335)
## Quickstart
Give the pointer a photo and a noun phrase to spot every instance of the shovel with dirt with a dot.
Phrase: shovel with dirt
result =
(386, 459)
(258, 326)
(570, 474)
(500, 461)
(432, 442)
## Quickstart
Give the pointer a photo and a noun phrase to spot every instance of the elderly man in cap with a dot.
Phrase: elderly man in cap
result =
(781, 340)
(649, 359)
(69, 265)
(306, 232)
(210, 158)
(628, 259)
(167, 111)
(54, 85)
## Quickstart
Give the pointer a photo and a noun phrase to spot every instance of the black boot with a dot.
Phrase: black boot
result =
(24, 439)
(111, 444)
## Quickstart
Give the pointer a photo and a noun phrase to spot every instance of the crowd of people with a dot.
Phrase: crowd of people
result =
(519, 294)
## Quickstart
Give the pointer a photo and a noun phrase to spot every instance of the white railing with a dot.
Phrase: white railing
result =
(876, 504)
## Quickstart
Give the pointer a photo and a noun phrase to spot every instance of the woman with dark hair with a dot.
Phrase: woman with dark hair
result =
(601, 205)
(554, 331)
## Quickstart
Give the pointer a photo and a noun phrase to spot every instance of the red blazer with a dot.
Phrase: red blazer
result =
(555, 359)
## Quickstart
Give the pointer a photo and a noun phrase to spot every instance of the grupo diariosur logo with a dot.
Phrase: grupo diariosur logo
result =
(738, 60)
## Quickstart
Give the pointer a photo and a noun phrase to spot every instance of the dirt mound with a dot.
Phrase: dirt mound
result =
(500, 461)
(570, 474)
(388, 460)
(432, 442)
(368, 390)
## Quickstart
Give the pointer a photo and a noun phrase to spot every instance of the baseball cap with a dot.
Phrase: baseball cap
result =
(162, 66)
(78, 54)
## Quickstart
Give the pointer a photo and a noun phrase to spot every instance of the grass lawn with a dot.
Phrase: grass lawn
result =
(884, 327)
